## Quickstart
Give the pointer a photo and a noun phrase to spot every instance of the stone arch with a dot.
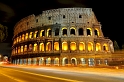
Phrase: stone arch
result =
(83, 61)
(80, 31)
(81, 46)
(90, 46)
(49, 32)
(96, 32)
(35, 34)
(64, 46)
(73, 45)
(42, 33)
(89, 32)
(35, 47)
(26, 36)
(91, 62)
(64, 61)
(48, 61)
(105, 47)
(56, 46)
(74, 61)
(64, 31)
(56, 61)
(41, 59)
(29, 61)
(98, 47)
(31, 34)
(48, 46)
(72, 31)
(23, 37)
(41, 46)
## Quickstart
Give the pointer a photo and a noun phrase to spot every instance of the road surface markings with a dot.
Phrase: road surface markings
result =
(18, 80)
(47, 76)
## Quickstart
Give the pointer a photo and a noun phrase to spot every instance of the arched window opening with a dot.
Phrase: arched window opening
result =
(23, 36)
(64, 31)
(56, 32)
(35, 34)
(89, 32)
(41, 46)
(49, 32)
(98, 47)
(56, 46)
(48, 46)
(30, 36)
(26, 37)
(72, 31)
(42, 33)
(20, 38)
(96, 31)
(81, 46)
(73, 46)
(80, 31)
(105, 47)
(30, 47)
(17, 39)
(90, 46)
(64, 46)
(25, 48)
(16, 49)
(35, 47)
(21, 49)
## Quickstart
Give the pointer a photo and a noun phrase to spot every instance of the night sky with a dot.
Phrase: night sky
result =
(108, 12)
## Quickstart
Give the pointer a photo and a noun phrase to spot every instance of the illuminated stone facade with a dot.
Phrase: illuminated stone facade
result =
(62, 37)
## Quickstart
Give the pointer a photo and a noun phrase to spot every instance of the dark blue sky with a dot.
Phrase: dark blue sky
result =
(109, 13)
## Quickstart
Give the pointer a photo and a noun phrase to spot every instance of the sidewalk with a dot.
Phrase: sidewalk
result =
(99, 71)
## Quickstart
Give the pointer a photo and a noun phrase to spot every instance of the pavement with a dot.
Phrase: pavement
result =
(112, 72)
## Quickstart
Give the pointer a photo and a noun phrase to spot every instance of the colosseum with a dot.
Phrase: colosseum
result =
(61, 37)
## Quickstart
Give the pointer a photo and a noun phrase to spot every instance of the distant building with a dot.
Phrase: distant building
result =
(64, 36)
(5, 50)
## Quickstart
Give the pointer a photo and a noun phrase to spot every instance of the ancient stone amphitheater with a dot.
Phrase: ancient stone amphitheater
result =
(61, 37)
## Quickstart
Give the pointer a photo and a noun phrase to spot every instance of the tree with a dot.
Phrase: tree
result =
(116, 47)
(3, 33)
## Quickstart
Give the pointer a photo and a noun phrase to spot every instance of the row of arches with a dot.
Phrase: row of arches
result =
(48, 33)
(49, 46)
(63, 62)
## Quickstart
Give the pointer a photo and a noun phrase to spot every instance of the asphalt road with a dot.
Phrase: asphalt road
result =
(14, 74)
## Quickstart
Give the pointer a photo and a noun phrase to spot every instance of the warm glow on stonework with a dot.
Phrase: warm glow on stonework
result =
(90, 46)
(90, 31)
(41, 46)
(97, 31)
(98, 47)
(35, 34)
(64, 46)
(81, 46)
(105, 46)
(41, 33)
(56, 46)
(73, 46)
(26, 37)
(48, 32)
(35, 47)
(48, 46)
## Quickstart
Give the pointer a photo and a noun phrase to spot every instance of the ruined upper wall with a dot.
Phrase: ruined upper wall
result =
(61, 16)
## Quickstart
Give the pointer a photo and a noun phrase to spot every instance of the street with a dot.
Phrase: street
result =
(20, 74)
